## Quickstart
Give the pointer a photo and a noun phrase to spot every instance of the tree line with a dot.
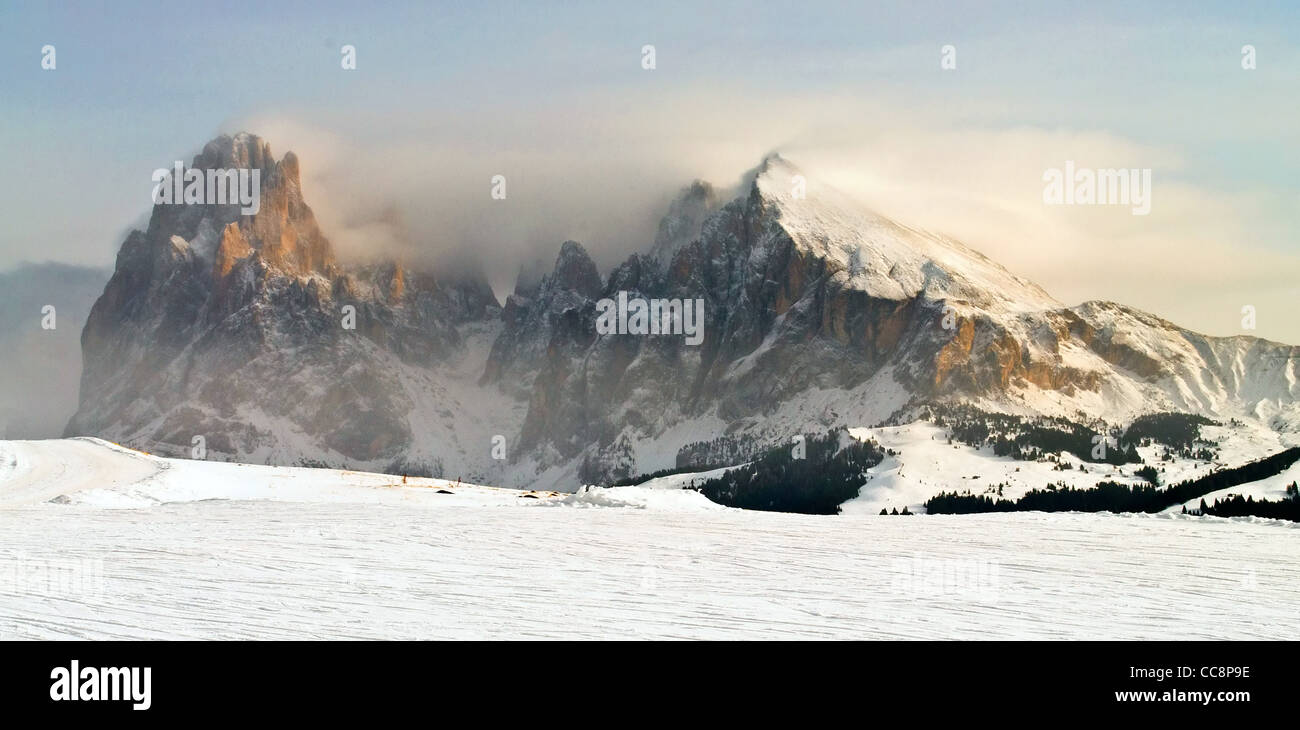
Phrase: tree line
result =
(1113, 497)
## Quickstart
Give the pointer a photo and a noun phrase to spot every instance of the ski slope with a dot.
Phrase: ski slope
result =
(100, 542)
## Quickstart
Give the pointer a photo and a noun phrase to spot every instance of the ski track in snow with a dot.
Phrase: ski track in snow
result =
(373, 561)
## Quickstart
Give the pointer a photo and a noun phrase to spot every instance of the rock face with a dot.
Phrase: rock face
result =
(817, 313)
(233, 328)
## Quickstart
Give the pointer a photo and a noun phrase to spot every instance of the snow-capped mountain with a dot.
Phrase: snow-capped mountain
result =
(817, 313)
(821, 313)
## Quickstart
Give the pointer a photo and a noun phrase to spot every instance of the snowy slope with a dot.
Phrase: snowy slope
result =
(97, 473)
(685, 480)
(926, 464)
(1273, 488)
(221, 551)
(886, 259)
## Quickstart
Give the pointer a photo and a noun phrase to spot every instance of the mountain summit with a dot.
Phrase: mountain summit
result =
(817, 312)
(885, 259)
(242, 333)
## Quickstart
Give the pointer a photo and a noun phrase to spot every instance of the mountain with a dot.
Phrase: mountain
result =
(817, 313)
(231, 327)
(42, 365)
(820, 313)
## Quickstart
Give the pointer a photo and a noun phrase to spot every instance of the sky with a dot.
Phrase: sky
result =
(398, 154)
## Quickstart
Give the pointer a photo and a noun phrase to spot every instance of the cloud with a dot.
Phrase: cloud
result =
(1196, 259)
(603, 175)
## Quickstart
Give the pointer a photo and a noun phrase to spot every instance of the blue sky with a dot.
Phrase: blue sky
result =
(141, 84)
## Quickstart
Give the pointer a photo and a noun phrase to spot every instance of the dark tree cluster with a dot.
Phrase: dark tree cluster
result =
(1150, 474)
(1234, 505)
(1176, 430)
(832, 470)
(1027, 439)
(1113, 497)
(697, 455)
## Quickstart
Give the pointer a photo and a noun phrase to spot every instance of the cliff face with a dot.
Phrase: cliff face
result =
(237, 328)
(816, 312)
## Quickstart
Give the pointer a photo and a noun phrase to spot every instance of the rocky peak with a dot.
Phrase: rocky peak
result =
(575, 271)
(684, 220)
(212, 315)
(283, 230)
(538, 316)
(242, 150)
(874, 254)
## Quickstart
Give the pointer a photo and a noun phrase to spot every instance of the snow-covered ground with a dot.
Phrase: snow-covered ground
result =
(101, 542)
(925, 464)
(1272, 488)
(685, 480)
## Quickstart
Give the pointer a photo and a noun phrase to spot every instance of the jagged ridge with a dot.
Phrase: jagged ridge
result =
(818, 313)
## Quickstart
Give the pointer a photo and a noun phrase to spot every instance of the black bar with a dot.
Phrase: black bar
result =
(298, 680)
